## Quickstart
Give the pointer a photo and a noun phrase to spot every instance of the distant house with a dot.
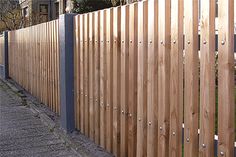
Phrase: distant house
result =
(38, 11)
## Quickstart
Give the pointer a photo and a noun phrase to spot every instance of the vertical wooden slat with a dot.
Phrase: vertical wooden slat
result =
(82, 74)
(207, 79)
(96, 75)
(124, 78)
(226, 86)
(116, 80)
(142, 80)
(102, 81)
(191, 87)
(132, 81)
(152, 79)
(176, 79)
(91, 72)
(163, 77)
(109, 66)
(76, 71)
(86, 63)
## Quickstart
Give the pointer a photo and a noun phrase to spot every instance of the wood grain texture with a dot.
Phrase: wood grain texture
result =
(163, 77)
(142, 80)
(32, 61)
(176, 79)
(191, 77)
(207, 79)
(226, 84)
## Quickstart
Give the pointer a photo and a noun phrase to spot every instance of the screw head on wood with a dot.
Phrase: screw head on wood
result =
(204, 42)
(203, 145)
(188, 42)
(115, 41)
(139, 119)
(149, 123)
(161, 42)
(123, 41)
(122, 112)
(130, 41)
(161, 128)
(222, 153)
(173, 133)
(174, 41)
(187, 139)
(222, 42)
(140, 42)
(150, 41)
(130, 115)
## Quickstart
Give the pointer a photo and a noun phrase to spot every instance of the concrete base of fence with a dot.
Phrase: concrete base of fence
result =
(66, 27)
(4, 68)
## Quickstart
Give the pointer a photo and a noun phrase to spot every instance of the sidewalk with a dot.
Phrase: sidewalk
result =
(22, 134)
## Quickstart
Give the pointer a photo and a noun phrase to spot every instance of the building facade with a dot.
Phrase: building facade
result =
(39, 11)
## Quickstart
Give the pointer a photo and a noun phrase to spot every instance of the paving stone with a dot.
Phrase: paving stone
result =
(22, 134)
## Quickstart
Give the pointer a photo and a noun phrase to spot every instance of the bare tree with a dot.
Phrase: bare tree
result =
(10, 14)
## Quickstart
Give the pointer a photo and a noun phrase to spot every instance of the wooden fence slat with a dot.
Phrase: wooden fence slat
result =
(124, 78)
(191, 87)
(102, 78)
(116, 80)
(109, 66)
(176, 81)
(142, 80)
(82, 91)
(132, 98)
(163, 77)
(86, 74)
(226, 84)
(77, 71)
(207, 79)
(91, 71)
(96, 77)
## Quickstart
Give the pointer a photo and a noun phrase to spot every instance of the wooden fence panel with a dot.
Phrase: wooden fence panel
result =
(137, 71)
(34, 60)
(226, 110)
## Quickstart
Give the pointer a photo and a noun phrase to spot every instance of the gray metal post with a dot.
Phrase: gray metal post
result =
(4, 74)
(66, 28)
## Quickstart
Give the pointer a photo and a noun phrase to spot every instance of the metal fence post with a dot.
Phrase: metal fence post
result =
(66, 28)
(4, 74)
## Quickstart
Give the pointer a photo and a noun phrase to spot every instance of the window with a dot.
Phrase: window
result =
(57, 10)
(26, 11)
(43, 10)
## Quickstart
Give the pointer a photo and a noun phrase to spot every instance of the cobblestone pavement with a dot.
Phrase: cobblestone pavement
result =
(22, 134)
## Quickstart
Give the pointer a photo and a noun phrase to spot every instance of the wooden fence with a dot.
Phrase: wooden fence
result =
(1, 49)
(34, 61)
(137, 79)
